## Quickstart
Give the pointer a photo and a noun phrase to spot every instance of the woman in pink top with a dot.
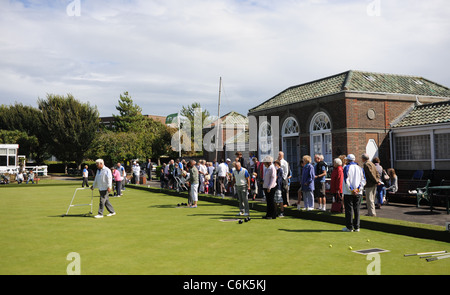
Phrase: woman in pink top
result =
(118, 179)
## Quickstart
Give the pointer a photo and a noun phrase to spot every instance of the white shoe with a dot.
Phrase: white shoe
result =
(111, 214)
(345, 229)
(98, 216)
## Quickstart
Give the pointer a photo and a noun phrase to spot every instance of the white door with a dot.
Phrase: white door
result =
(372, 149)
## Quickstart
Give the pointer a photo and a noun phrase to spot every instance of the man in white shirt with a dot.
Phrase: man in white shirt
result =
(222, 171)
(85, 176)
(136, 172)
(285, 168)
(353, 186)
(103, 181)
(270, 182)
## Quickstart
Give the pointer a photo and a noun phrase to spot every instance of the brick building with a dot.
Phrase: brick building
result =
(421, 139)
(350, 112)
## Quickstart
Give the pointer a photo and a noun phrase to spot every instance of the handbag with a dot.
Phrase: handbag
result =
(336, 207)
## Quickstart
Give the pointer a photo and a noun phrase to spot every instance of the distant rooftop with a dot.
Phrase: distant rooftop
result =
(433, 113)
(231, 119)
(356, 81)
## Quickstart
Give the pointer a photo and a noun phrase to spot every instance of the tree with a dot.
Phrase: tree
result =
(70, 126)
(134, 136)
(26, 119)
(191, 112)
(114, 147)
(130, 116)
(26, 143)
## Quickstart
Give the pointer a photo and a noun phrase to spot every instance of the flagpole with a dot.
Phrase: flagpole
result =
(218, 120)
(179, 136)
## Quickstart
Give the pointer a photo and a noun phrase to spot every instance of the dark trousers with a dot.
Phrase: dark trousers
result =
(85, 182)
(149, 173)
(118, 188)
(270, 198)
(104, 202)
(221, 185)
(285, 192)
(352, 205)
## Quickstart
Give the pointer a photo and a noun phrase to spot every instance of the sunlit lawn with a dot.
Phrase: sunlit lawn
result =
(151, 235)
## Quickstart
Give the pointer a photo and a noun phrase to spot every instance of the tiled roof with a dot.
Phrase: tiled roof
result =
(356, 81)
(434, 113)
(232, 118)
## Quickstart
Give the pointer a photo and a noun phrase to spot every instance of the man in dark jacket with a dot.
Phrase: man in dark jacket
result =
(372, 180)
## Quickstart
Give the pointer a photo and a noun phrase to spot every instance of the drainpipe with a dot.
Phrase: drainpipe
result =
(391, 146)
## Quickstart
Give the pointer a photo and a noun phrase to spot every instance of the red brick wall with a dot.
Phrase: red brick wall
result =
(351, 126)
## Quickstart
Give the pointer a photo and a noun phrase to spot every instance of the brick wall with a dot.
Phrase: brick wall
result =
(352, 123)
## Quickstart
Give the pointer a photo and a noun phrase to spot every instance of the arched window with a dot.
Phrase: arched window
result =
(321, 123)
(321, 140)
(290, 128)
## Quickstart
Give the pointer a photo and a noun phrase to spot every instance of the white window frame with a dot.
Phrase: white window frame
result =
(420, 130)
(291, 132)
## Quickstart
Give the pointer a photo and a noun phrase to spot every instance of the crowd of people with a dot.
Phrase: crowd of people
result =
(349, 182)
(269, 180)
(241, 178)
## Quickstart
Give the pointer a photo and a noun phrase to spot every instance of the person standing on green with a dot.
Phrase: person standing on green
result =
(103, 181)
(241, 179)
(193, 181)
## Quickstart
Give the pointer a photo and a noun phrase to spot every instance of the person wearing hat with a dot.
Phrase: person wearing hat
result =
(354, 182)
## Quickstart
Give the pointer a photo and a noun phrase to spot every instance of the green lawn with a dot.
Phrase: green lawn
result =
(150, 235)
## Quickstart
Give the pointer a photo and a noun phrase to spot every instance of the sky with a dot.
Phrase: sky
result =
(170, 53)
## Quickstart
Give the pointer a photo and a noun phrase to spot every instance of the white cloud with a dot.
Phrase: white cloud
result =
(171, 53)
